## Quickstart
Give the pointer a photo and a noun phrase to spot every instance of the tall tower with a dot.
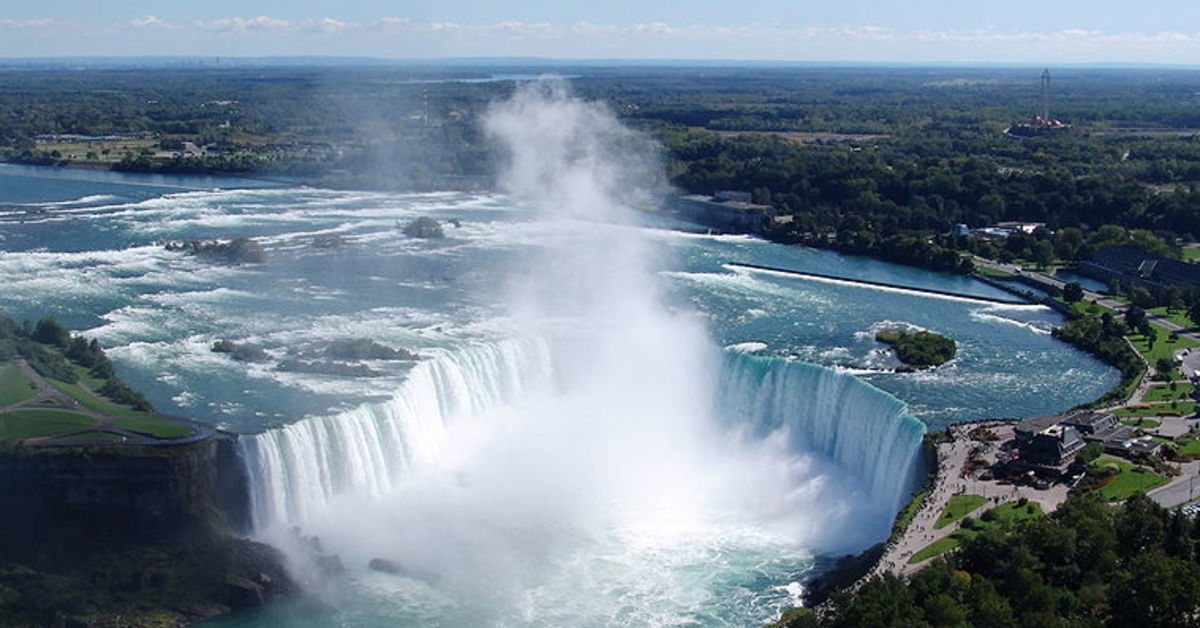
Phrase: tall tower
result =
(1046, 94)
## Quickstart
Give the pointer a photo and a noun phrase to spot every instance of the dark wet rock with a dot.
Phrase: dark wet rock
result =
(242, 593)
(384, 565)
(324, 367)
(364, 349)
(240, 352)
(424, 227)
(238, 250)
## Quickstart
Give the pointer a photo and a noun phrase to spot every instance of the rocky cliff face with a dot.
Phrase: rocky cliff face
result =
(112, 536)
(61, 503)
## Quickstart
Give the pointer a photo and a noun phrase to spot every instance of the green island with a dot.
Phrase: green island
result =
(921, 349)
(115, 515)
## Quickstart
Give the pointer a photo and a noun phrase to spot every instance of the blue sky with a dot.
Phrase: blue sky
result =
(1043, 31)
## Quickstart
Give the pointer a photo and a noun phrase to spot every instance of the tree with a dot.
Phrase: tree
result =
(1135, 317)
(1114, 286)
(1043, 253)
(1142, 297)
(51, 332)
(1073, 292)
(1165, 367)
(1193, 312)
(1090, 452)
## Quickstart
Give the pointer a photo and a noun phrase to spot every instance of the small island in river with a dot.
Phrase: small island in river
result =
(918, 350)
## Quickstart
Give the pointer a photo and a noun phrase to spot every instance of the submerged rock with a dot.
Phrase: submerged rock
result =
(324, 367)
(238, 250)
(365, 349)
(424, 227)
(384, 565)
(240, 352)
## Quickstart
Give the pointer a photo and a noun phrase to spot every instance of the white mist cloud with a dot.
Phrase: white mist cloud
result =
(610, 482)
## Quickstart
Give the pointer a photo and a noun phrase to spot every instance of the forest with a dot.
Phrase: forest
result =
(1086, 564)
(879, 161)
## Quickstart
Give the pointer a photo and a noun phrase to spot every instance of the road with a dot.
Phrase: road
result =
(1089, 295)
(1181, 490)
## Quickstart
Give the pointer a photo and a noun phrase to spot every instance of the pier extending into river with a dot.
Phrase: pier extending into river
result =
(875, 284)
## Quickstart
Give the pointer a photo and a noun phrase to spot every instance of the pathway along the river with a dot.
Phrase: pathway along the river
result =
(49, 399)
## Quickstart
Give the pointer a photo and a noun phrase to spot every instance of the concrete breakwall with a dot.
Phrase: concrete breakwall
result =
(878, 284)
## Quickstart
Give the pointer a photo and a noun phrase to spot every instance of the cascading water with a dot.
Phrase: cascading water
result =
(587, 474)
(296, 470)
(866, 431)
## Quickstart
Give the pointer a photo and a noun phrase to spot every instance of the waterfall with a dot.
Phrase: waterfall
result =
(864, 430)
(296, 470)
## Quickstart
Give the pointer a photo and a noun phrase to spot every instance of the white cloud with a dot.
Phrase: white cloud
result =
(259, 23)
(45, 22)
(151, 21)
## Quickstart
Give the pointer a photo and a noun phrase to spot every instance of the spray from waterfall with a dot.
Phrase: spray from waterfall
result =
(607, 429)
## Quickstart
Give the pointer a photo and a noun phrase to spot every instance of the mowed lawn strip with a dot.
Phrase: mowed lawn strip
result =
(1162, 348)
(1163, 392)
(155, 428)
(15, 386)
(89, 437)
(1180, 408)
(958, 507)
(92, 402)
(22, 424)
(1006, 514)
(1128, 481)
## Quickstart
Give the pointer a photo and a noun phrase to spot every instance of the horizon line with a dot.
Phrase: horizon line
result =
(592, 61)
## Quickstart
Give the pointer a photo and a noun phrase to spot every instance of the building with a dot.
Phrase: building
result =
(1099, 427)
(728, 211)
(1135, 267)
(1045, 444)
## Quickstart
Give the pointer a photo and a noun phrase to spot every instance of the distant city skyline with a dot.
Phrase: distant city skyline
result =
(965, 31)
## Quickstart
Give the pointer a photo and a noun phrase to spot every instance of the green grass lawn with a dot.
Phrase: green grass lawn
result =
(1188, 447)
(936, 548)
(1143, 423)
(908, 513)
(29, 423)
(1128, 482)
(1088, 308)
(958, 507)
(155, 428)
(93, 402)
(1010, 513)
(15, 386)
(1191, 254)
(992, 272)
(1163, 392)
(1162, 348)
(1179, 317)
(1006, 514)
(1181, 408)
(90, 437)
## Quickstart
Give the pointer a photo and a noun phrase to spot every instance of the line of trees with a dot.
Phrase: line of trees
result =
(1087, 564)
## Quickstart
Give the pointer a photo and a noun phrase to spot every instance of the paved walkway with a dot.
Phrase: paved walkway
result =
(50, 399)
(953, 479)
(1182, 489)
